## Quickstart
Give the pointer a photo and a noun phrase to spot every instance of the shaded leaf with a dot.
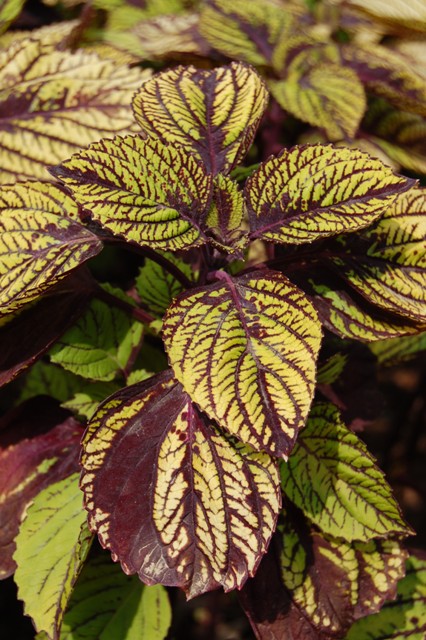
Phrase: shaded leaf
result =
(209, 507)
(403, 618)
(53, 103)
(39, 445)
(387, 263)
(334, 480)
(314, 191)
(332, 368)
(349, 316)
(21, 345)
(390, 352)
(157, 287)
(324, 94)
(141, 190)
(388, 75)
(55, 538)
(101, 344)
(46, 379)
(39, 246)
(84, 403)
(244, 349)
(213, 114)
(108, 605)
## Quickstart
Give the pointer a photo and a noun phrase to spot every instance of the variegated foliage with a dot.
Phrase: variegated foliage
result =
(179, 472)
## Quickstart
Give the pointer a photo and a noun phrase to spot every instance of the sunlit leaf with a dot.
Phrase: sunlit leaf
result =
(336, 482)
(141, 190)
(101, 345)
(244, 349)
(313, 191)
(404, 618)
(55, 102)
(54, 538)
(39, 247)
(324, 94)
(213, 114)
(59, 35)
(388, 75)
(21, 345)
(108, 605)
(409, 13)
(39, 444)
(246, 30)
(387, 263)
(389, 352)
(209, 504)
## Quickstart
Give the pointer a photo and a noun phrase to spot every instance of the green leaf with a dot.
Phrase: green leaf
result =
(322, 93)
(209, 503)
(389, 352)
(337, 484)
(101, 344)
(157, 287)
(46, 379)
(55, 539)
(55, 102)
(244, 349)
(84, 403)
(332, 368)
(386, 264)
(39, 246)
(9, 10)
(141, 190)
(213, 114)
(313, 191)
(108, 605)
(404, 618)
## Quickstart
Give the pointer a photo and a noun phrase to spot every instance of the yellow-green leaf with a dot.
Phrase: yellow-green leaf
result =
(142, 190)
(213, 114)
(157, 287)
(39, 245)
(407, 13)
(324, 94)
(54, 102)
(313, 191)
(224, 219)
(337, 484)
(108, 605)
(208, 504)
(244, 349)
(54, 539)
(387, 263)
(396, 350)
(403, 619)
(9, 10)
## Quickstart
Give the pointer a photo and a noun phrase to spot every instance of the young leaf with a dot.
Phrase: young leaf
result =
(55, 102)
(322, 93)
(313, 191)
(209, 505)
(335, 481)
(213, 114)
(107, 604)
(21, 345)
(141, 190)
(223, 221)
(157, 287)
(245, 349)
(53, 537)
(387, 263)
(403, 618)
(39, 445)
(39, 246)
(100, 345)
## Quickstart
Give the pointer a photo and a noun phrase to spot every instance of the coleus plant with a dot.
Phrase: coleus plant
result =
(191, 476)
